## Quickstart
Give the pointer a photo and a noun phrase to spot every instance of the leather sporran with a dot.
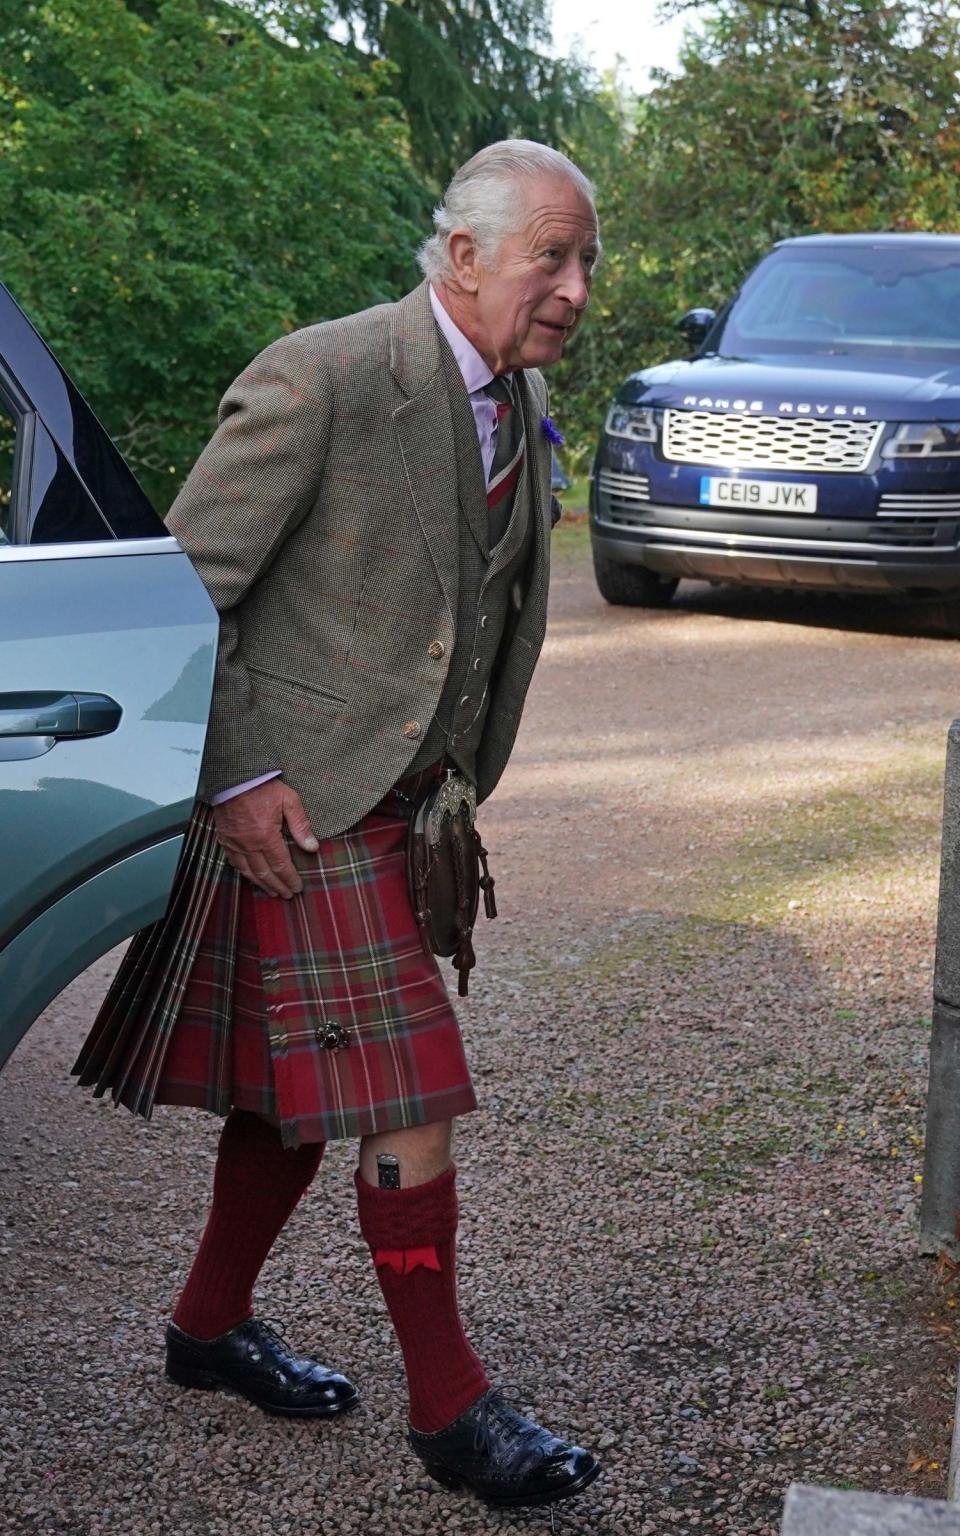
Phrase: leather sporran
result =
(447, 870)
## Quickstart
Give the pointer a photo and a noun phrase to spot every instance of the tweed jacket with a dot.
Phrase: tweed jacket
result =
(323, 519)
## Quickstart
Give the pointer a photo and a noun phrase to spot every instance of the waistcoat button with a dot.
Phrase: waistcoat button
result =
(465, 701)
(483, 621)
(476, 664)
(412, 729)
(436, 649)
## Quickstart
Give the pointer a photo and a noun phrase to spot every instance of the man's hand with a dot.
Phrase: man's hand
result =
(250, 831)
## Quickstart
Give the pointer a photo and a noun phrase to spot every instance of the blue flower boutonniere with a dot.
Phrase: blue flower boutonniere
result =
(551, 433)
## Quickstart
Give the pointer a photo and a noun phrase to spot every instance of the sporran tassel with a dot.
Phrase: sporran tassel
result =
(487, 881)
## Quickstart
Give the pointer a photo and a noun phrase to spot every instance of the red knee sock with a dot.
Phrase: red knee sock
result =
(256, 1184)
(411, 1233)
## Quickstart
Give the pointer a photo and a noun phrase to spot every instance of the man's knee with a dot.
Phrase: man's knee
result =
(422, 1151)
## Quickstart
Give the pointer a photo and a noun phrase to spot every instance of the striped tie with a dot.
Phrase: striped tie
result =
(507, 457)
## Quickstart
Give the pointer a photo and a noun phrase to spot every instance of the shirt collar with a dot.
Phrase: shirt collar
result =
(476, 373)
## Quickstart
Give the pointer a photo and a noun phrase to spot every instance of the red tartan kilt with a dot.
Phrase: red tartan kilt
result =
(234, 998)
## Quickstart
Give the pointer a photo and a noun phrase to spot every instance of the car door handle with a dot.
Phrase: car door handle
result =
(58, 715)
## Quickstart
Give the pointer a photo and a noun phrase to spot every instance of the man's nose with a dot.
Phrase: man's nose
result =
(574, 287)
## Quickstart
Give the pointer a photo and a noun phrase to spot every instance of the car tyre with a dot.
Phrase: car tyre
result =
(632, 586)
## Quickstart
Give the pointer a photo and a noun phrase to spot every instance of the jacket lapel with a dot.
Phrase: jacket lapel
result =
(538, 465)
(471, 486)
(425, 431)
(538, 448)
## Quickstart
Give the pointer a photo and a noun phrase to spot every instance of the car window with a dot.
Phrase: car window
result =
(74, 485)
(888, 301)
(61, 511)
(8, 444)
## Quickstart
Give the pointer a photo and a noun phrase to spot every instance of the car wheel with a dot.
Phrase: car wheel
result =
(632, 586)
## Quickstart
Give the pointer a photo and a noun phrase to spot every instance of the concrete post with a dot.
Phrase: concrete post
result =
(828, 1512)
(940, 1206)
(953, 1492)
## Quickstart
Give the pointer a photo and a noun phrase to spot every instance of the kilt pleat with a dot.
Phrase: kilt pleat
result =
(234, 998)
(125, 1049)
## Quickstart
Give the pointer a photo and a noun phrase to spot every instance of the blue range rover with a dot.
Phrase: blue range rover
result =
(812, 440)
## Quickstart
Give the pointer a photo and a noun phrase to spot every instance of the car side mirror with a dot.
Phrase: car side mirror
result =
(695, 326)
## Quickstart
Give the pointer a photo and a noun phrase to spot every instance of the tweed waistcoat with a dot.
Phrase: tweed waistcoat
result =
(490, 588)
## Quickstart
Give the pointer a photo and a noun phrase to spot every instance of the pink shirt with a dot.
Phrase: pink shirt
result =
(476, 376)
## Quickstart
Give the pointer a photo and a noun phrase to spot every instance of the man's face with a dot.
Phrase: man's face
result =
(528, 308)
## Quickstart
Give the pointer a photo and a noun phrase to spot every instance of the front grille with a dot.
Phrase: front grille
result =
(912, 531)
(920, 503)
(628, 489)
(740, 441)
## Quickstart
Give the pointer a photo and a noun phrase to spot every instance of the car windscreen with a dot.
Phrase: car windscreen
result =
(882, 301)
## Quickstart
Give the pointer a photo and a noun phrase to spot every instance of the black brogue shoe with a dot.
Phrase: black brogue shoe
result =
(255, 1360)
(502, 1457)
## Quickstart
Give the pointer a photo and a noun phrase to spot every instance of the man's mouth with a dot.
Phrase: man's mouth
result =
(553, 325)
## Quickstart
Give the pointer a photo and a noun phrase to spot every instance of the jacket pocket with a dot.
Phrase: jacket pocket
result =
(294, 687)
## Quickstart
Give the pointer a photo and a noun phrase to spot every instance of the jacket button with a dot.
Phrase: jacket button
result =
(476, 664)
(465, 701)
(436, 649)
(412, 729)
(484, 621)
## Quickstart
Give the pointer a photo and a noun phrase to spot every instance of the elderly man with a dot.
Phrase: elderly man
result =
(372, 520)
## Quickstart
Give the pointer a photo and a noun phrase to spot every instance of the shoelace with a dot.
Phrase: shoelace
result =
(508, 1396)
(275, 1332)
(512, 1395)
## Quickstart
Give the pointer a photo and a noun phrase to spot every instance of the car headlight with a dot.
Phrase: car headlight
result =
(924, 440)
(637, 422)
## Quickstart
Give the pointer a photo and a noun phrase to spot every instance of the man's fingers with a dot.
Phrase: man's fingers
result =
(296, 818)
(270, 878)
(259, 874)
(262, 876)
(250, 829)
(275, 859)
(280, 866)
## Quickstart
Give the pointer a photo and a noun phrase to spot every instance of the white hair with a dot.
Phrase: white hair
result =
(486, 197)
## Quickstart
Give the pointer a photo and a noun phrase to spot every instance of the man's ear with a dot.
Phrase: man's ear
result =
(464, 261)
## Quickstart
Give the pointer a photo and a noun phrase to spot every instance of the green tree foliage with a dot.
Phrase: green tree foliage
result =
(182, 180)
(178, 186)
(784, 119)
(468, 72)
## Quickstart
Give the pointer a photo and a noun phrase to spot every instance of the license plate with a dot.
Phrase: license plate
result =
(766, 495)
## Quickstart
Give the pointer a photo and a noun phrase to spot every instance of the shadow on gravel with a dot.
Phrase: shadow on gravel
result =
(738, 1132)
(565, 1520)
(683, 1225)
(931, 618)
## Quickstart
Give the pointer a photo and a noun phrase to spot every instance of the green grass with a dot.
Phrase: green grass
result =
(571, 539)
(843, 835)
(577, 498)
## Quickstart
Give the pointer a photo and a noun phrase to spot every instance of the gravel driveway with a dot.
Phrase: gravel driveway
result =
(699, 1031)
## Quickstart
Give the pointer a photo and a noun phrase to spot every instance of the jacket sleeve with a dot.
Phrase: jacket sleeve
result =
(253, 484)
